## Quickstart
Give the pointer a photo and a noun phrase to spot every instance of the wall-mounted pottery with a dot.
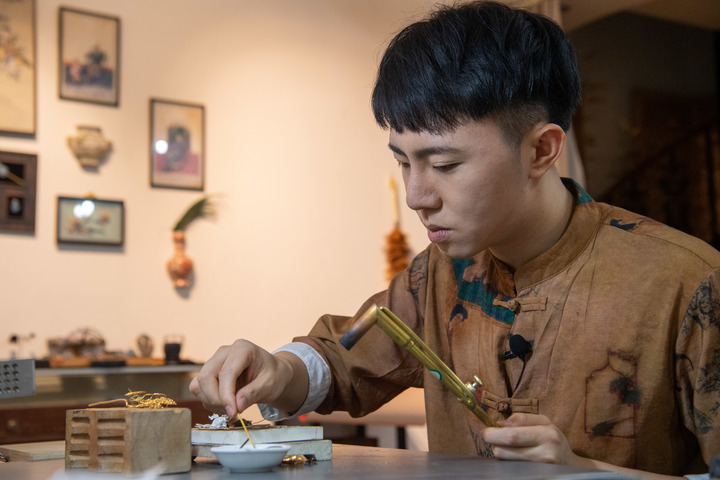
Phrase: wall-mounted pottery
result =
(89, 145)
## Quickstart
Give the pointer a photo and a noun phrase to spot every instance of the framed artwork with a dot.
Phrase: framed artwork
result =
(17, 67)
(89, 57)
(177, 145)
(90, 221)
(18, 180)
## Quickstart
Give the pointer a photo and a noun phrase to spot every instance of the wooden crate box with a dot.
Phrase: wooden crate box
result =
(128, 440)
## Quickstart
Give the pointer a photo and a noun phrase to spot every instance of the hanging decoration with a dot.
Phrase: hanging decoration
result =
(180, 266)
(396, 249)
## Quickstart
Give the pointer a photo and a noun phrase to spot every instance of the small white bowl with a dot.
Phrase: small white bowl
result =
(249, 459)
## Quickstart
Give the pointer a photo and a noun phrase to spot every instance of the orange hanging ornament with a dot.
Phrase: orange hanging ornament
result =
(180, 266)
(396, 251)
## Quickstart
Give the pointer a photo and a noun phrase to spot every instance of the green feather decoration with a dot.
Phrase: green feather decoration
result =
(196, 210)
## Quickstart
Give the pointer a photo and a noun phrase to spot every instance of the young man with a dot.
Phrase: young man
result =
(617, 367)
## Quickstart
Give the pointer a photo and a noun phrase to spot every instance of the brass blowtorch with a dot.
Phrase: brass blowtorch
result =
(406, 338)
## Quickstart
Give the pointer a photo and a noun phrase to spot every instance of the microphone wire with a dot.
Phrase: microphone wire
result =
(520, 377)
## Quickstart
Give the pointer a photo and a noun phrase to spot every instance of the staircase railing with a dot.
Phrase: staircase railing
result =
(678, 185)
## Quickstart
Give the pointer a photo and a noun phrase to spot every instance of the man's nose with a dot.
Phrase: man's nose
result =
(419, 193)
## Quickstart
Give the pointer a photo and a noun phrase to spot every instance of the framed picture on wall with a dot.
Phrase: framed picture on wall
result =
(89, 57)
(177, 145)
(90, 221)
(18, 174)
(17, 67)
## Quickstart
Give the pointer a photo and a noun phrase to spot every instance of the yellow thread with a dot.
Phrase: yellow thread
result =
(246, 430)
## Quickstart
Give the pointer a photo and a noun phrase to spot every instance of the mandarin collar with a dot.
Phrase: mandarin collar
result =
(584, 222)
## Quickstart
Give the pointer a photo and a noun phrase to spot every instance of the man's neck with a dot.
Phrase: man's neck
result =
(549, 213)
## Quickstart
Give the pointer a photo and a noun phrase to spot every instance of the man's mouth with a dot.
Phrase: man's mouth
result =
(437, 234)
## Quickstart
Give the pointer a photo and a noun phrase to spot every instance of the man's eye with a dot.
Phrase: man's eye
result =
(445, 168)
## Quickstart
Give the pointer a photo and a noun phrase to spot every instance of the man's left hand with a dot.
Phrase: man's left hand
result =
(530, 437)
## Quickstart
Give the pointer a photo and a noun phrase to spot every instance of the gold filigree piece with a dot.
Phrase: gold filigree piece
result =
(139, 399)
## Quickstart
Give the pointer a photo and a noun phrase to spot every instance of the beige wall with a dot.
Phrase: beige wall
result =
(298, 166)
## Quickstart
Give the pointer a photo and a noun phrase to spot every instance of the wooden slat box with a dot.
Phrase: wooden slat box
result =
(128, 440)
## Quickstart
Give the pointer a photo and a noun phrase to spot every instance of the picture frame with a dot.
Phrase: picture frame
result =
(177, 144)
(88, 57)
(18, 191)
(18, 103)
(90, 221)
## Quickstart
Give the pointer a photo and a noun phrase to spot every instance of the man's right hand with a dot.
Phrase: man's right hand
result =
(242, 374)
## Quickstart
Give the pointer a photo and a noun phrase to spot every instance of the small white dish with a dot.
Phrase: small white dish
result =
(249, 459)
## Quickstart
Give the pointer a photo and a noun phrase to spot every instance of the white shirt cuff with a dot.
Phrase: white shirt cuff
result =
(318, 381)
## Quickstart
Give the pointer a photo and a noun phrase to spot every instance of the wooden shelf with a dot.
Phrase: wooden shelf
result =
(90, 371)
(42, 417)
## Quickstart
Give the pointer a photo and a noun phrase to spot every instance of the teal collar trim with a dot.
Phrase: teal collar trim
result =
(581, 196)
(483, 295)
(478, 293)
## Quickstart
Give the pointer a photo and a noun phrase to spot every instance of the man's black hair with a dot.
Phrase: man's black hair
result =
(474, 61)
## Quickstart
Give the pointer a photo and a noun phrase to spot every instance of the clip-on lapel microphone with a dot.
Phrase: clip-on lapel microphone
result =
(520, 348)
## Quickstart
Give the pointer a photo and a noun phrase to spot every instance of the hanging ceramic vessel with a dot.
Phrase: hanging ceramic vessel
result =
(180, 266)
(89, 146)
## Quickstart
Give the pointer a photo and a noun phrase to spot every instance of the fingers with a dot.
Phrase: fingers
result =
(525, 454)
(528, 437)
(232, 374)
(543, 453)
(238, 376)
(205, 386)
(261, 381)
(506, 435)
(525, 420)
(217, 382)
(250, 394)
(516, 437)
(536, 444)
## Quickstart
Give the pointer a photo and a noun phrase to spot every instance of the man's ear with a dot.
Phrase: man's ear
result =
(548, 141)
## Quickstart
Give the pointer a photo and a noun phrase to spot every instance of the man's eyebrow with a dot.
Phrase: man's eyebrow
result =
(427, 151)
(395, 149)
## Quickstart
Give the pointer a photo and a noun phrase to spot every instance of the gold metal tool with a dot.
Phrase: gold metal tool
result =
(406, 338)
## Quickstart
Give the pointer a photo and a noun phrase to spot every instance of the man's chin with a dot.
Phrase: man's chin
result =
(455, 251)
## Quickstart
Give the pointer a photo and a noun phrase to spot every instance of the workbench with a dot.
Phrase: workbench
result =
(349, 463)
